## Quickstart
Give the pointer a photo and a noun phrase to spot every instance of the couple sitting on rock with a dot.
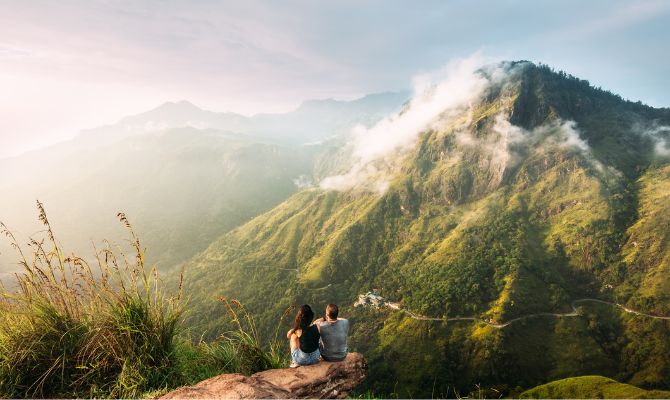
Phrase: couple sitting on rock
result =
(323, 338)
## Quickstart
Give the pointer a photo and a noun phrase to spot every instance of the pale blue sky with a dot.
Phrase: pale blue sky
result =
(69, 65)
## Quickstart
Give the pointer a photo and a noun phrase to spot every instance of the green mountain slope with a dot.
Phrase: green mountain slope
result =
(527, 201)
(591, 387)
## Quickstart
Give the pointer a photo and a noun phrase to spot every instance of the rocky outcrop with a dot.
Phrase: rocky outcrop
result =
(322, 380)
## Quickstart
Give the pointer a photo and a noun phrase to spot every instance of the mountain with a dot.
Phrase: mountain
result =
(169, 115)
(539, 202)
(183, 175)
(316, 120)
(313, 120)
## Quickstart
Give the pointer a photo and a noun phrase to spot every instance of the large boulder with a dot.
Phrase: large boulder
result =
(322, 380)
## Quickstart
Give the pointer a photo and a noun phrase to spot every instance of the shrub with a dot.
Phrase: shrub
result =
(72, 330)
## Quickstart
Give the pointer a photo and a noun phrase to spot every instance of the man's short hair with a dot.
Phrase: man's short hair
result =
(331, 311)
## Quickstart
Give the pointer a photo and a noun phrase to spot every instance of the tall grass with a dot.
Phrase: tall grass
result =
(70, 329)
(246, 344)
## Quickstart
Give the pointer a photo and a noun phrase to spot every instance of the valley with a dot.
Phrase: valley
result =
(483, 214)
(185, 175)
(516, 202)
(481, 188)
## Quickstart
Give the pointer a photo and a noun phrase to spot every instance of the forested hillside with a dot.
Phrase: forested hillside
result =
(542, 191)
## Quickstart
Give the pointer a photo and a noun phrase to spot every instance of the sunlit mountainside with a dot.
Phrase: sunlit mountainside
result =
(531, 194)
(506, 226)
(480, 188)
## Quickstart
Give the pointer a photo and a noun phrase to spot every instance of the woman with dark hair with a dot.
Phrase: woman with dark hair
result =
(304, 338)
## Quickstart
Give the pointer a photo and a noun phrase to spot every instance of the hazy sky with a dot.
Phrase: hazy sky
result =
(69, 65)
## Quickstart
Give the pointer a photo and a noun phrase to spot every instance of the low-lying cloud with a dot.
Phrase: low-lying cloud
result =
(437, 102)
(303, 182)
(436, 97)
(508, 143)
(661, 137)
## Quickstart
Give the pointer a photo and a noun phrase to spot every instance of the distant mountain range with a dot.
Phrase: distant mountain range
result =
(183, 175)
(312, 121)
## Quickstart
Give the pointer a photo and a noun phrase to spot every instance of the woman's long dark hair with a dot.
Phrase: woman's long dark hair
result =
(303, 318)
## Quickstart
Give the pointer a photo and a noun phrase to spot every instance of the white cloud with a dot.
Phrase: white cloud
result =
(119, 58)
(303, 182)
(571, 137)
(661, 136)
(438, 96)
(377, 150)
(507, 143)
(507, 136)
(662, 148)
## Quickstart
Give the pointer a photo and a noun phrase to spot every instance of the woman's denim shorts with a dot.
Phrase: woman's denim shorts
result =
(301, 358)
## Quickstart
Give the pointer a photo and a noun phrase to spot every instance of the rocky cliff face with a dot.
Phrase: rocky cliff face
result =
(320, 381)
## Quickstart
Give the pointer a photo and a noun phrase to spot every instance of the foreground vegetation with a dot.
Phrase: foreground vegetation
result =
(72, 330)
(591, 387)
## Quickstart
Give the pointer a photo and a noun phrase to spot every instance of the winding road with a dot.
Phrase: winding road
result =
(270, 266)
(573, 313)
(320, 288)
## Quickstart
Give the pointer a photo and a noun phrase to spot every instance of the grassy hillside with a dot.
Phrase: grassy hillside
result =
(523, 203)
(591, 387)
(72, 329)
